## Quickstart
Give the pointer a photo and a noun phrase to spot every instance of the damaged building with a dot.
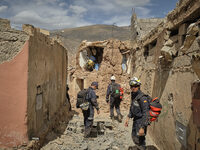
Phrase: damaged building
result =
(167, 62)
(109, 57)
(113, 57)
(33, 84)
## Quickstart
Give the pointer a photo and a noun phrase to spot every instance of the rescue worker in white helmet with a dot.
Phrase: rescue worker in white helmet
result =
(139, 112)
(113, 96)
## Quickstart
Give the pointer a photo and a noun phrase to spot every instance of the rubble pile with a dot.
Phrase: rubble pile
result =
(113, 54)
(105, 135)
(11, 41)
(167, 61)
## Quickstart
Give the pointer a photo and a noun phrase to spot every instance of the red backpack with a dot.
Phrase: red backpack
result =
(121, 93)
(154, 108)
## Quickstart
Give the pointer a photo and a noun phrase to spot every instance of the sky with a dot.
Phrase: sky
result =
(59, 14)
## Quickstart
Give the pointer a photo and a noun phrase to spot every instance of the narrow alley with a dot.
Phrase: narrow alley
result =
(105, 135)
(150, 67)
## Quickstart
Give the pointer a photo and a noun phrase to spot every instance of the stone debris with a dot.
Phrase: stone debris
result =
(11, 42)
(105, 135)
(187, 43)
(196, 64)
(192, 30)
(168, 50)
(111, 55)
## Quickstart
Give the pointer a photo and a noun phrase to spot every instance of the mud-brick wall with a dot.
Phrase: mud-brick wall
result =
(176, 99)
(13, 85)
(46, 84)
(171, 80)
(13, 99)
(173, 86)
(110, 65)
(4, 23)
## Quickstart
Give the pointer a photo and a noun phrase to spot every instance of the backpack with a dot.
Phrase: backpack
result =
(121, 93)
(115, 90)
(155, 107)
(82, 101)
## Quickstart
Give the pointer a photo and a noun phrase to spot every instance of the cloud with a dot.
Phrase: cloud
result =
(53, 14)
(119, 20)
(44, 2)
(3, 8)
(78, 10)
(117, 11)
(55, 20)
(143, 12)
(57, 14)
(111, 5)
(130, 3)
(62, 4)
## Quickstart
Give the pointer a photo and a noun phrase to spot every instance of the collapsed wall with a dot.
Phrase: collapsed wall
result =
(144, 26)
(141, 27)
(46, 83)
(167, 62)
(11, 41)
(33, 85)
(13, 85)
(113, 58)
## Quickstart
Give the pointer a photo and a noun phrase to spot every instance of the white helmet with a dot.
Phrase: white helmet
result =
(112, 78)
(134, 82)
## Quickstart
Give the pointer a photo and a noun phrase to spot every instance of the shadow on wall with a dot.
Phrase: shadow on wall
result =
(161, 77)
(80, 84)
(58, 131)
(192, 136)
(193, 128)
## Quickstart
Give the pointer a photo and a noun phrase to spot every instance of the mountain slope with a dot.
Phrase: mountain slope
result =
(72, 37)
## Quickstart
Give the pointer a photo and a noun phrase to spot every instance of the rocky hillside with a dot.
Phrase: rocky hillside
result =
(72, 37)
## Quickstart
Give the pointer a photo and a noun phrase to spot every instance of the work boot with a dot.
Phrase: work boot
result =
(87, 133)
(119, 118)
(140, 147)
(132, 148)
(112, 118)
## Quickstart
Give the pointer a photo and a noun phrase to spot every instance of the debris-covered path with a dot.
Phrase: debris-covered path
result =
(106, 135)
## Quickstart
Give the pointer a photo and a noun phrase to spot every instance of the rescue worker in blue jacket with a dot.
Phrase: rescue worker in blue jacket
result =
(139, 112)
(114, 102)
(89, 114)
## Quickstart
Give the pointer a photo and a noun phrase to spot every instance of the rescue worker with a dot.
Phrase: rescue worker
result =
(89, 114)
(114, 100)
(139, 112)
(91, 63)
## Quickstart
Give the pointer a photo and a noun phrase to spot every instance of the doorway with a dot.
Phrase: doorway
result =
(79, 84)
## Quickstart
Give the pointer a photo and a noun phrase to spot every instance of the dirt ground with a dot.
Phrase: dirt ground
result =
(106, 134)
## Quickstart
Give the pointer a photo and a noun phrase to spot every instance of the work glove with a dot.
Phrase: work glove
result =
(107, 100)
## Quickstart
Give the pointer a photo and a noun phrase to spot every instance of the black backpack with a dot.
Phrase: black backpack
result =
(115, 88)
(81, 97)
